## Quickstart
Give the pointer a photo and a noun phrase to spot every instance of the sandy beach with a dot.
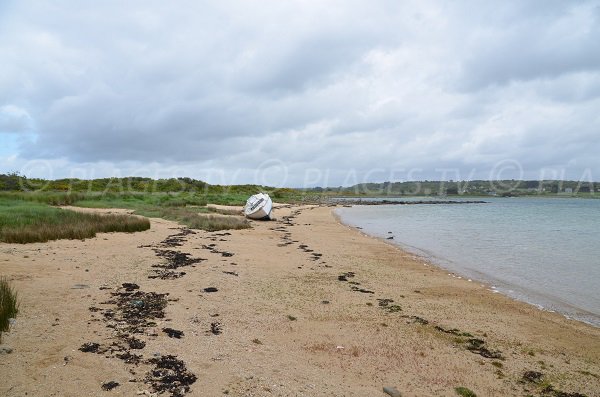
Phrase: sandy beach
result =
(301, 306)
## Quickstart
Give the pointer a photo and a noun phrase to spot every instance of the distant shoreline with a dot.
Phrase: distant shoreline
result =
(386, 201)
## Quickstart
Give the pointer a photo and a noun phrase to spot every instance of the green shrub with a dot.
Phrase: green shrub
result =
(9, 305)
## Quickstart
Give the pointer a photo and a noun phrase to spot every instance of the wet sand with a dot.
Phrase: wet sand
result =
(302, 306)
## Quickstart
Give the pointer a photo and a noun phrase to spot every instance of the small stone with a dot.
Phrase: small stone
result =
(392, 391)
(6, 350)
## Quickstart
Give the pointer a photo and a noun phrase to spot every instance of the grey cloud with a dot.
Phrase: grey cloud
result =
(537, 44)
(332, 86)
(14, 119)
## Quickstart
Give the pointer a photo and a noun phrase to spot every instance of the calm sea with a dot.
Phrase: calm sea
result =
(542, 251)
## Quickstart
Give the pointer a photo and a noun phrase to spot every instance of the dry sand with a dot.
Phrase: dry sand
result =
(289, 326)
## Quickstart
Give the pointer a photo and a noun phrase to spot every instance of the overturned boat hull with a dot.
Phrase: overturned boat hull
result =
(259, 206)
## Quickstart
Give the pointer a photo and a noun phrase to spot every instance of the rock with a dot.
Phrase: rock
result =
(5, 349)
(80, 286)
(392, 391)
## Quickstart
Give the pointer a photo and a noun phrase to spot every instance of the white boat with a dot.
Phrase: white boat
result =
(259, 206)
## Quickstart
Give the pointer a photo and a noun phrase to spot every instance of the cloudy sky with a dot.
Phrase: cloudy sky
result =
(300, 92)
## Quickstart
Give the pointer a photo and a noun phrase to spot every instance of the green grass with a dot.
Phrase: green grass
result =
(213, 223)
(50, 198)
(464, 392)
(27, 217)
(186, 208)
(29, 222)
(9, 305)
(140, 201)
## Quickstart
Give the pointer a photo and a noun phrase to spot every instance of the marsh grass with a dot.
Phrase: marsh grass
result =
(26, 217)
(9, 305)
(50, 198)
(197, 218)
(30, 222)
(187, 209)
(212, 223)
(464, 392)
(225, 211)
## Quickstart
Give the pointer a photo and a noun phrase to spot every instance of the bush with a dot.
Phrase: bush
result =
(9, 305)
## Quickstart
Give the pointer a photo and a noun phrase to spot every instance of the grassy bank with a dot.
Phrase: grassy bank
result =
(29, 221)
(9, 306)
(188, 209)
(27, 217)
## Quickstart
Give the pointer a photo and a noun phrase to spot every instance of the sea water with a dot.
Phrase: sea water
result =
(542, 251)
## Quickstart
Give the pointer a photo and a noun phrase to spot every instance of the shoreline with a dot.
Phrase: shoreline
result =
(501, 287)
(303, 306)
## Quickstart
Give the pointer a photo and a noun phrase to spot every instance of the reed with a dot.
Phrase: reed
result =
(28, 222)
(197, 218)
(9, 305)
(213, 223)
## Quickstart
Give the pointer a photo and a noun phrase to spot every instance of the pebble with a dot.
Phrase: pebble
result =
(392, 391)
(6, 350)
